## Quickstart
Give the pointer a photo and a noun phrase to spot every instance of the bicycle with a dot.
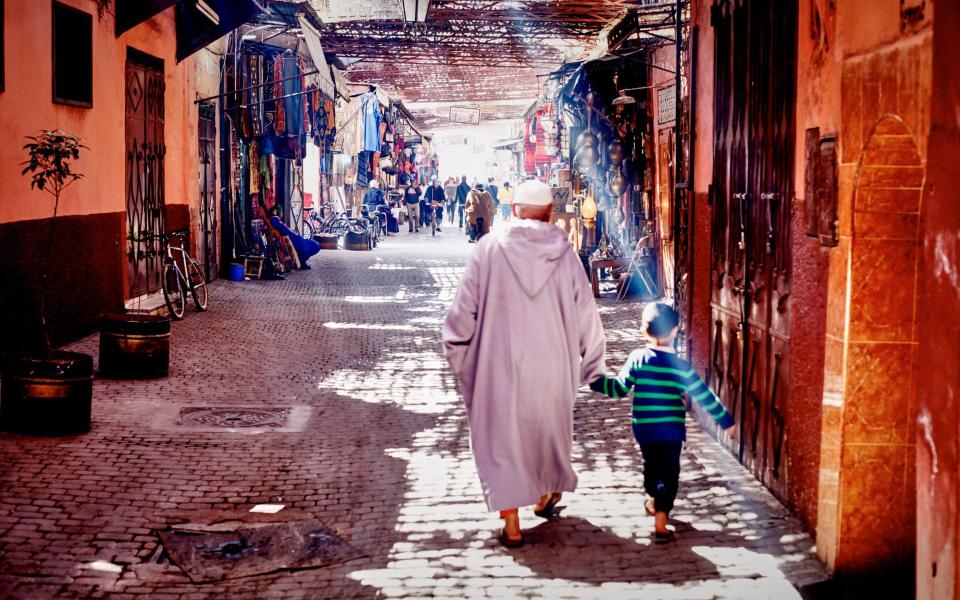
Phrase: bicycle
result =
(176, 280)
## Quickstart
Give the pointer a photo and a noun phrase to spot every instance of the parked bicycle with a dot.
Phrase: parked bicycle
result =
(180, 276)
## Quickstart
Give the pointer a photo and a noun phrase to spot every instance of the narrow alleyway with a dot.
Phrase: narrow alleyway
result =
(375, 445)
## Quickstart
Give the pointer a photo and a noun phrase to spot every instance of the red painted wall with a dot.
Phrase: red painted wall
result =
(937, 478)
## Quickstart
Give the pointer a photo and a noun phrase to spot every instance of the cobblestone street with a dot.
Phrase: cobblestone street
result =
(375, 446)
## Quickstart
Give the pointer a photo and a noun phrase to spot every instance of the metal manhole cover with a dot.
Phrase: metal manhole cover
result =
(233, 417)
(255, 549)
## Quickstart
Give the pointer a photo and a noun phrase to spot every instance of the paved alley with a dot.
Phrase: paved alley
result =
(371, 439)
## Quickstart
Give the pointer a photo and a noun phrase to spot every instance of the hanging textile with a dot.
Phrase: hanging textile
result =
(255, 105)
(254, 162)
(293, 103)
(279, 125)
(372, 118)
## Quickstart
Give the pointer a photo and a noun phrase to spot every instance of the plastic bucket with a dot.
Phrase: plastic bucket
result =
(236, 272)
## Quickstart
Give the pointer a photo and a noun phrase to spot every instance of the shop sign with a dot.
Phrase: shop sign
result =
(562, 200)
(465, 116)
(666, 105)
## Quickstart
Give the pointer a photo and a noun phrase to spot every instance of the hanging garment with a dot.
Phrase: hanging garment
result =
(304, 97)
(371, 122)
(293, 103)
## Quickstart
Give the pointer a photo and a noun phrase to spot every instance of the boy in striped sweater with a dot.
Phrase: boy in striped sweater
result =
(656, 377)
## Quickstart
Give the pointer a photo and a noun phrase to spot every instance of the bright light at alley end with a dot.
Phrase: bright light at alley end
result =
(415, 11)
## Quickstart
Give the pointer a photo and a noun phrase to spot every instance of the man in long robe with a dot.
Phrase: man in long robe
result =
(522, 334)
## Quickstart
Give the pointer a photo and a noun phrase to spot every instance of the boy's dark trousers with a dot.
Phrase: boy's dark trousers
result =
(661, 472)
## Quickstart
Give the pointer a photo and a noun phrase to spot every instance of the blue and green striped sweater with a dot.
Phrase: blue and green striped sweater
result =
(657, 378)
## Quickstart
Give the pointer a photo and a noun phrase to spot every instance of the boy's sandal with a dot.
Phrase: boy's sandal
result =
(548, 511)
(509, 542)
(663, 538)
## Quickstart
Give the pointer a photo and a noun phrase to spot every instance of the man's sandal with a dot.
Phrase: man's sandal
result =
(509, 542)
(548, 511)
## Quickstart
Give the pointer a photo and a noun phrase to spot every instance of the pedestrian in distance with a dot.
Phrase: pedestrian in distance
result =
(520, 363)
(435, 197)
(450, 191)
(654, 377)
(480, 211)
(462, 190)
(506, 199)
(494, 192)
(411, 199)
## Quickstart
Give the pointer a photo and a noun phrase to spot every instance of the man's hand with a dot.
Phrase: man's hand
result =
(732, 430)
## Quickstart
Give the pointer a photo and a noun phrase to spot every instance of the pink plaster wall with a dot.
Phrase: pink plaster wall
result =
(26, 107)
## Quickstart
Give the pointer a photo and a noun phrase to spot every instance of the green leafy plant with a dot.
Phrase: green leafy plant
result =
(50, 157)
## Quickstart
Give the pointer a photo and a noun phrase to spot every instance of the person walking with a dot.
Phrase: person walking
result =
(494, 192)
(479, 212)
(435, 197)
(450, 191)
(520, 363)
(654, 378)
(411, 199)
(506, 199)
(462, 190)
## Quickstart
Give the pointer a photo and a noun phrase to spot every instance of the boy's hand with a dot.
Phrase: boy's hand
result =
(732, 430)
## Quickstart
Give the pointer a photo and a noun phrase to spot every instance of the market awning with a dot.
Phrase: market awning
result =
(312, 37)
(199, 22)
(131, 13)
(197, 28)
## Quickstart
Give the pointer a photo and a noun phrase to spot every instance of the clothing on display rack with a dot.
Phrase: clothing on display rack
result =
(371, 122)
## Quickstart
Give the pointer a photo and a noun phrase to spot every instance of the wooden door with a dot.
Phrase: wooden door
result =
(206, 249)
(145, 150)
(751, 195)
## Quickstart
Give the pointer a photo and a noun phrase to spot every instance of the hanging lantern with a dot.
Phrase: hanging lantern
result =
(616, 182)
(615, 151)
(589, 209)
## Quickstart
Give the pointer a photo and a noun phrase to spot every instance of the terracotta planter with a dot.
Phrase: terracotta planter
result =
(134, 346)
(47, 395)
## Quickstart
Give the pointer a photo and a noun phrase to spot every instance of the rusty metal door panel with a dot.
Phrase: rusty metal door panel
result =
(145, 150)
(751, 195)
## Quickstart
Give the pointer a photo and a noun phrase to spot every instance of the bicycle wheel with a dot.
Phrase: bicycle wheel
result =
(173, 291)
(197, 284)
(306, 228)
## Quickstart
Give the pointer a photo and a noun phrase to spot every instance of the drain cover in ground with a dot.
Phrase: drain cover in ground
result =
(255, 549)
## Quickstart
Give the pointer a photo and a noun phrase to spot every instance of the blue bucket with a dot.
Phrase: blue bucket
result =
(236, 272)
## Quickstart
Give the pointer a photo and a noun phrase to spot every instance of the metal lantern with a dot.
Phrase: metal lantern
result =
(615, 151)
(616, 182)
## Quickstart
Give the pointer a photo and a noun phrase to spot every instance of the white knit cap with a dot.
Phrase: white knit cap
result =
(374, 183)
(533, 193)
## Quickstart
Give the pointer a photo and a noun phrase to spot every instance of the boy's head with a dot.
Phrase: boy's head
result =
(660, 323)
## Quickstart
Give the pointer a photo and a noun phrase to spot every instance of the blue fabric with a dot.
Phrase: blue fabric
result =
(292, 105)
(371, 122)
(305, 248)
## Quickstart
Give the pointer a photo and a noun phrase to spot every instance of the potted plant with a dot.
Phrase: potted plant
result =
(49, 392)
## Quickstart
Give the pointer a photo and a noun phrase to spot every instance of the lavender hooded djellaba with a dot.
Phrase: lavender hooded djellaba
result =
(522, 334)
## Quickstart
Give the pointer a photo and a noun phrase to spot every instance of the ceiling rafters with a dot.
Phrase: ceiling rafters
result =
(475, 52)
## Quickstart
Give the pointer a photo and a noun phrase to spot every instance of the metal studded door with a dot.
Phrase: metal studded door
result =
(751, 196)
(145, 150)
(207, 246)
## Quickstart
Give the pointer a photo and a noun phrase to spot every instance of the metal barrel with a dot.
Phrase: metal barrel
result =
(134, 346)
(49, 395)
